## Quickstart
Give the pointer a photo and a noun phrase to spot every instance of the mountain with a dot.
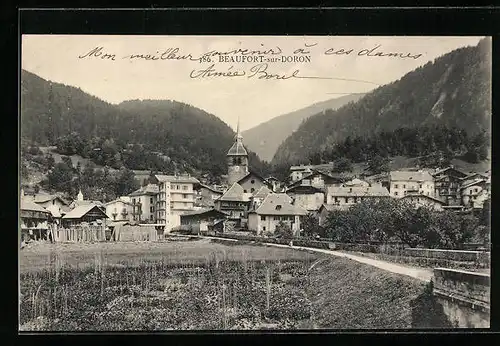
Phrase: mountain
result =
(159, 135)
(453, 91)
(265, 138)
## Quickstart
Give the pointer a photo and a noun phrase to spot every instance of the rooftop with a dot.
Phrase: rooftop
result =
(410, 175)
(177, 178)
(279, 204)
(358, 191)
(81, 210)
(237, 149)
(27, 204)
(234, 193)
(150, 189)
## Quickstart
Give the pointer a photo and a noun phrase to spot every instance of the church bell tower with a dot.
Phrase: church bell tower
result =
(237, 159)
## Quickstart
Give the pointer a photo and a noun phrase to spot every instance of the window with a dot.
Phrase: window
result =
(184, 187)
(252, 181)
(475, 190)
(336, 199)
(278, 207)
(184, 195)
(177, 187)
(252, 190)
(53, 201)
(420, 185)
(263, 218)
(133, 200)
(404, 186)
(276, 218)
(245, 191)
(395, 186)
(151, 217)
(395, 193)
(263, 228)
(151, 209)
(151, 200)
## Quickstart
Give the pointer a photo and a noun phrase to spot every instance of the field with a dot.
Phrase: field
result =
(200, 284)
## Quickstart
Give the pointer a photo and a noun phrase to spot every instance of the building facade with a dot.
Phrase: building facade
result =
(276, 208)
(176, 196)
(447, 183)
(420, 200)
(120, 209)
(252, 182)
(236, 204)
(473, 194)
(403, 182)
(307, 197)
(144, 201)
(343, 197)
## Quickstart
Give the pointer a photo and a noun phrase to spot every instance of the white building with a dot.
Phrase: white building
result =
(144, 202)
(176, 196)
(474, 193)
(121, 209)
(343, 197)
(403, 182)
(275, 208)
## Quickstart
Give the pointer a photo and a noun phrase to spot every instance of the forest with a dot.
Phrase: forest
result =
(159, 135)
(453, 91)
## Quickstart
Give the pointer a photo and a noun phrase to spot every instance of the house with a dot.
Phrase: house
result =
(34, 220)
(472, 177)
(144, 203)
(176, 196)
(90, 213)
(342, 197)
(382, 179)
(317, 179)
(473, 194)
(252, 182)
(403, 182)
(120, 209)
(206, 195)
(421, 200)
(447, 184)
(274, 184)
(298, 172)
(235, 203)
(259, 196)
(46, 200)
(357, 182)
(275, 208)
(324, 211)
(306, 196)
(237, 159)
(204, 220)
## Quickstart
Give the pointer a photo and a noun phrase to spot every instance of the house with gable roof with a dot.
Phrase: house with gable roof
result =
(447, 182)
(235, 203)
(275, 208)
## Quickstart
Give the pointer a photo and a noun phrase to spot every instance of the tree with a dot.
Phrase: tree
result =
(378, 164)
(283, 230)
(60, 177)
(126, 182)
(342, 165)
(310, 225)
(67, 161)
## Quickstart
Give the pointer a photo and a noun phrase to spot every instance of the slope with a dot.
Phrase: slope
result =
(452, 91)
(265, 138)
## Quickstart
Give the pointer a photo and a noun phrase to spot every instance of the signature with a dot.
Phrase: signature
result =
(260, 71)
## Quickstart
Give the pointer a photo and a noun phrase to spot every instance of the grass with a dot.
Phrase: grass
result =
(204, 285)
(43, 255)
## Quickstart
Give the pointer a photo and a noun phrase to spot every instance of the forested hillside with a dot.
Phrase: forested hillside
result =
(265, 138)
(166, 136)
(453, 91)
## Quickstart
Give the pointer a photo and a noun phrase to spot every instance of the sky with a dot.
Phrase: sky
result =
(64, 59)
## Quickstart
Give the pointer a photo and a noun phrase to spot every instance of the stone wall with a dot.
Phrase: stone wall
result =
(465, 297)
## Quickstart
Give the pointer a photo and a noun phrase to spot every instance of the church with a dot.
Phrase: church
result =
(238, 169)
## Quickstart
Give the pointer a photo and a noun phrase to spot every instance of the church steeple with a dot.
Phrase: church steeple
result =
(237, 158)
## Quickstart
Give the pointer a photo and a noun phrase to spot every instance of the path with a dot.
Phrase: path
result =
(414, 272)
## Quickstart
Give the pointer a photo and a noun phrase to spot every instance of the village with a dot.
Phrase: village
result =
(248, 202)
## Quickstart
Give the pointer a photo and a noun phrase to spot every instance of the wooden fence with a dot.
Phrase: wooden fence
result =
(83, 233)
